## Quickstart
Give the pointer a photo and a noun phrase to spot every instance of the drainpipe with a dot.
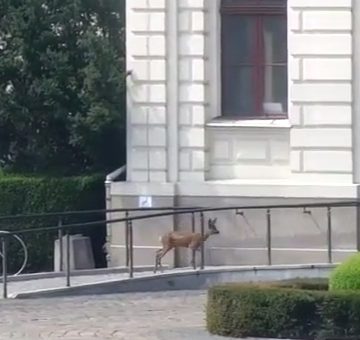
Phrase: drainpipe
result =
(110, 178)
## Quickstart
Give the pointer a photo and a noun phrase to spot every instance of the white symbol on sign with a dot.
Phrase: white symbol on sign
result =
(145, 201)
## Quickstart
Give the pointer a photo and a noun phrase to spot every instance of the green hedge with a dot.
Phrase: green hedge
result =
(26, 195)
(346, 276)
(302, 283)
(281, 311)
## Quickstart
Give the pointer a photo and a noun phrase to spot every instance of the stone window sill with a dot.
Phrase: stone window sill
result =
(252, 123)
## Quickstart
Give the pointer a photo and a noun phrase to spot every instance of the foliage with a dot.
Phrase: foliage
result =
(346, 275)
(304, 283)
(272, 311)
(24, 195)
(62, 93)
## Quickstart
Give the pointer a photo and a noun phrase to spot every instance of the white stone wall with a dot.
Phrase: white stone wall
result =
(167, 85)
(147, 94)
(246, 150)
(320, 65)
(320, 104)
(192, 89)
(173, 49)
(248, 153)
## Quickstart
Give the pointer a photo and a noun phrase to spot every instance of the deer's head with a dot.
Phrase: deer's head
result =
(212, 226)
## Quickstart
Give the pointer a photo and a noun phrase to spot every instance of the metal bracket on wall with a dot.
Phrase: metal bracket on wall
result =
(309, 213)
(242, 214)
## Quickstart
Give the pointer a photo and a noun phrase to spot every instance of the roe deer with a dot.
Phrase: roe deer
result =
(184, 239)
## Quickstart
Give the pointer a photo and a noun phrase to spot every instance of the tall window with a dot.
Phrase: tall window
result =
(254, 58)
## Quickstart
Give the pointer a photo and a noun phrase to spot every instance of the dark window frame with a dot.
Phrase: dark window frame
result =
(257, 9)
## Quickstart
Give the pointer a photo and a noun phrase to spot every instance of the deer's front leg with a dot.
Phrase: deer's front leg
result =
(159, 255)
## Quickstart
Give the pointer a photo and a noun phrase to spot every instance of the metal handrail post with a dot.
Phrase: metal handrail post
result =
(127, 240)
(193, 222)
(193, 254)
(4, 265)
(202, 264)
(131, 248)
(61, 252)
(268, 236)
(67, 259)
(329, 235)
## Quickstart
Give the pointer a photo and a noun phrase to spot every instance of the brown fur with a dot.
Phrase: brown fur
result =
(184, 239)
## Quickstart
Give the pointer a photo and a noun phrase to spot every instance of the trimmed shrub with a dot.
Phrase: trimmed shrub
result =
(346, 276)
(28, 195)
(279, 311)
(303, 283)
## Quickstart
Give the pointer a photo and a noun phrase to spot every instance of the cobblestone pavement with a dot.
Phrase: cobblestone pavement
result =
(151, 316)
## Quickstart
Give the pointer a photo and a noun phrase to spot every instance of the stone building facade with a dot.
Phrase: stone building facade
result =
(190, 142)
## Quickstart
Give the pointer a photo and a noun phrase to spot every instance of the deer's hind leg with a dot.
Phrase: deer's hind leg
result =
(157, 261)
(159, 255)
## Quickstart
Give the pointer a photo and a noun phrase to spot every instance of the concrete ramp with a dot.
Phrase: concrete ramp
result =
(105, 282)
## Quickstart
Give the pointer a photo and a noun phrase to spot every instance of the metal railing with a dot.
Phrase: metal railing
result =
(63, 214)
(165, 211)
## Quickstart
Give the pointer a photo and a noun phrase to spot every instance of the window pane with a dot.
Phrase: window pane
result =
(275, 90)
(275, 39)
(237, 39)
(237, 91)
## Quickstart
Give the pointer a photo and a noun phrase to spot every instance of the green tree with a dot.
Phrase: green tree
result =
(62, 85)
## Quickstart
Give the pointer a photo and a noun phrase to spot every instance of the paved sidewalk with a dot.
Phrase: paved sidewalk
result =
(151, 316)
(60, 282)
